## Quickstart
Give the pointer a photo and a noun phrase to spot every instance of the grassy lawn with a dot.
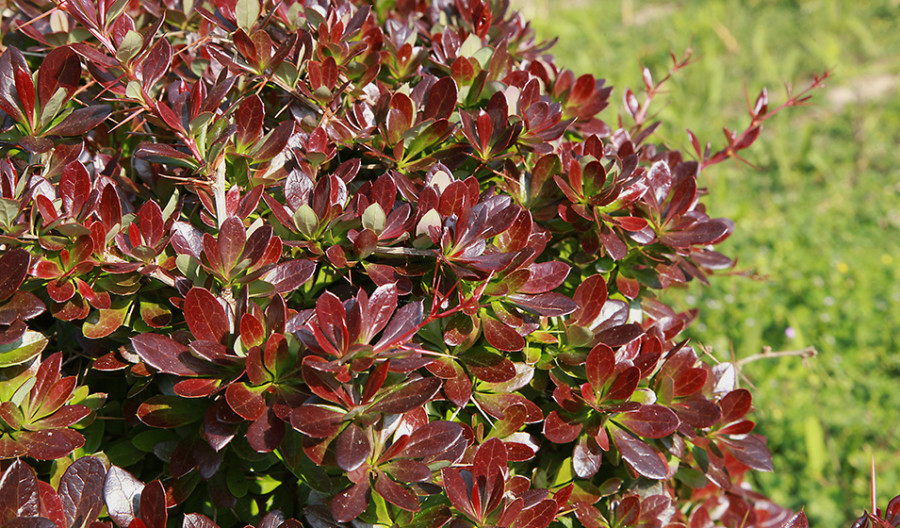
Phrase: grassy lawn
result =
(818, 225)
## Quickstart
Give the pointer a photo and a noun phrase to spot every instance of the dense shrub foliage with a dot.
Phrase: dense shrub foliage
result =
(342, 263)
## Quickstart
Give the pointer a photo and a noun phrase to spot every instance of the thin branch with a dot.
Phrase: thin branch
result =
(767, 353)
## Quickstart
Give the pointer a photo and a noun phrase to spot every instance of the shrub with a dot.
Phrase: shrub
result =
(347, 263)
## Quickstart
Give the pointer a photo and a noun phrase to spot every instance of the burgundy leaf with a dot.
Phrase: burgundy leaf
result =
(408, 396)
(501, 336)
(19, 495)
(432, 439)
(549, 304)
(350, 503)
(267, 432)
(752, 451)
(50, 444)
(559, 430)
(538, 516)
(317, 421)
(689, 381)
(153, 505)
(600, 366)
(166, 355)
(405, 320)
(352, 448)
(735, 405)
(441, 99)
(651, 421)
(198, 520)
(395, 493)
(13, 270)
(80, 489)
(643, 458)
(232, 238)
(289, 276)
(697, 411)
(205, 316)
(406, 470)
(457, 491)
(545, 276)
(59, 69)
(590, 297)
(81, 121)
(246, 402)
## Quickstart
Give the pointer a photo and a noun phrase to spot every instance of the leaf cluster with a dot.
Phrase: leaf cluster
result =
(351, 264)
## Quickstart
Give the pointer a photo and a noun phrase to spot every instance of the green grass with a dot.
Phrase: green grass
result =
(818, 224)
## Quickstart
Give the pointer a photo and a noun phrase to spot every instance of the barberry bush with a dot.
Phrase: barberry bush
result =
(351, 264)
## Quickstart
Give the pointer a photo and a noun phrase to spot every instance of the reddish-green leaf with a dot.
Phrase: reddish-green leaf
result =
(205, 316)
(80, 121)
(489, 366)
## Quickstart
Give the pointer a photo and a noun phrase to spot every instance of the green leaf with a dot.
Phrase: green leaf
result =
(23, 349)
(306, 220)
(246, 12)
(374, 218)
(131, 45)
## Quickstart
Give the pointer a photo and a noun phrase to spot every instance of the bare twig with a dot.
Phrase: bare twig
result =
(767, 353)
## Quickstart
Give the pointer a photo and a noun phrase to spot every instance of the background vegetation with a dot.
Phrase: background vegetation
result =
(818, 225)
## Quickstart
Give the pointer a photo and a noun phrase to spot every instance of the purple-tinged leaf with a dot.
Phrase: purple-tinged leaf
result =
(560, 431)
(64, 417)
(156, 63)
(153, 505)
(198, 520)
(501, 336)
(407, 396)
(735, 405)
(50, 444)
(80, 491)
(752, 451)
(25, 90)
(167, 412)
(19, 495)
(22, 305)
(165, 355)
(651, 421)
(352, 448)
(11, 60)
(331, 319)
(441, 100)
(317, 421)
(400, 329)
(231, 240)
(538, 516)
(697, 411)
(121, 493)
(406, 470)
(249, 121)
(205, 316)
(432, 439)
(74, 187)
(545, 276)
(267, 432)
(689, 381)
(395, 493)
(551, 304)
(600, 366)
(13, 270)
(350, 503)
(457, 491)
(643, 458)
(586, 457)
(60, 69)
(289, 276)
(81, 121)
(624, 385)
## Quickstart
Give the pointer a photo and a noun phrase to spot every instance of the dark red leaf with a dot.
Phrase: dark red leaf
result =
(624, 385)
(249, 121)
(205, 316)
(396, 494)
(50, 444)
(560, 431)
(697, 411)
(590, 297)
(81, 121)
(538, 516)
(600, 366)
(441, 100)
(689, 381)
(13, 270)
(59, 69)
(232, 238)
(406, 470)
(551, 304)
(317, 421)
(735, 405)
(432, 439)
(643, 458)
(798, 520)
(80, 491)
(545, 276)
(267, 432)
(400, 329)
(408, 396)
(51, 506)
(350, 503)
(245, 401)
(752, 451)
(352, 448)
(501, 336)
(19, 494)
(650, 421)
(289, 276)
(153, 505)
(166, 355)
(457, 491)
(198, 520)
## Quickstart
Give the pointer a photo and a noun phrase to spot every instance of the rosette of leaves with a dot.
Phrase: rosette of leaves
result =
(384, 264)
